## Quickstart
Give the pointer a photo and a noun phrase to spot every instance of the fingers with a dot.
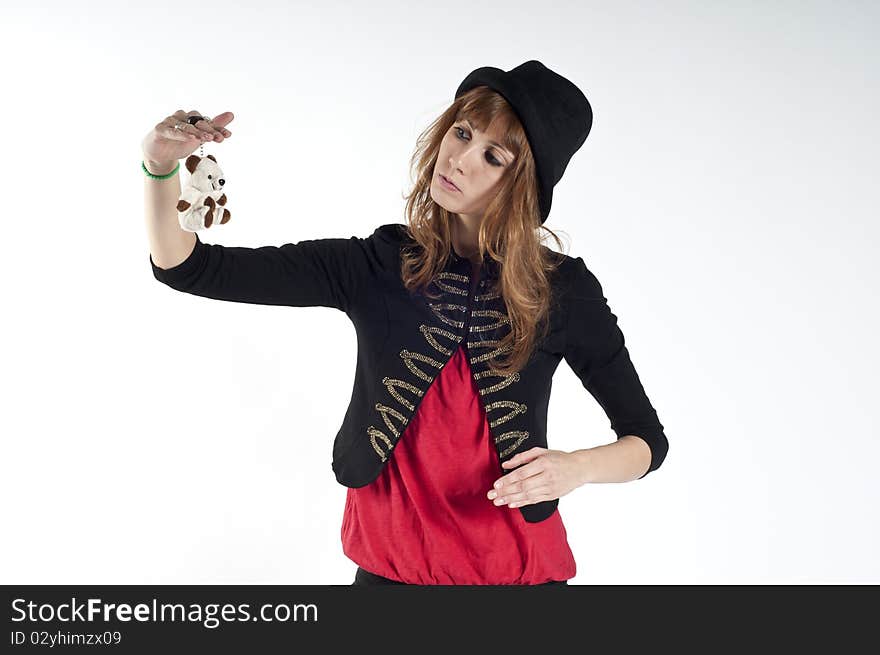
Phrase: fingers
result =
(535, 495)
(177, 130)
(532, 493)
(207, 126)
(212, 133)
(222, 120)
(217, 124)
(205, 129)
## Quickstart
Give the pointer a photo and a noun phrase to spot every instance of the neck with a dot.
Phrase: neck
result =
(465, 238)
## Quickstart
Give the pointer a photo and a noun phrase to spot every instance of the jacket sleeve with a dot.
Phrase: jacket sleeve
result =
(316, 272)
(595, 351)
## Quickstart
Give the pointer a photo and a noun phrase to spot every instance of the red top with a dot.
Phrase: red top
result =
(426, 519)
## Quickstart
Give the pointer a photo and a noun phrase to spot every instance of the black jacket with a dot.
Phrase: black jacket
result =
(404, 339)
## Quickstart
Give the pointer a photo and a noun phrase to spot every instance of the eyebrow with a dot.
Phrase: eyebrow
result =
(494, 143)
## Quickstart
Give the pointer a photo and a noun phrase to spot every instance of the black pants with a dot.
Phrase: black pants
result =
(364, 577)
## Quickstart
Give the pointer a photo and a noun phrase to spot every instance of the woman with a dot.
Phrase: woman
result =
(462, 316)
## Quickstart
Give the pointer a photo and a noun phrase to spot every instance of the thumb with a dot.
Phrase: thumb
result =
(222, 120)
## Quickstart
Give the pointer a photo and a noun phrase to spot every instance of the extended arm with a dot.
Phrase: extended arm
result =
(321, 272)
(315, 272)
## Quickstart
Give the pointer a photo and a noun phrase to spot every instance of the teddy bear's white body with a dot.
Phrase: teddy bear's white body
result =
(206, 180)
(193, 218)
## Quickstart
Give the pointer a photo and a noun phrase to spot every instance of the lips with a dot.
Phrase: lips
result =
(449, 181)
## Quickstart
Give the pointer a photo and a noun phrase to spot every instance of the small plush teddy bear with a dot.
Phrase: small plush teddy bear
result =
(204, 195)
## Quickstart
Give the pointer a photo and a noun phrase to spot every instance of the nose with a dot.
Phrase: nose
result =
(455, 163)
(458, 161)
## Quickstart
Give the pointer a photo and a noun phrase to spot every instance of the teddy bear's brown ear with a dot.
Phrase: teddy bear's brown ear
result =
(212, 158)
(191, 162)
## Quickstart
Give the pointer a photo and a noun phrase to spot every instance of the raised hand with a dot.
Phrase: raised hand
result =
(165, 144)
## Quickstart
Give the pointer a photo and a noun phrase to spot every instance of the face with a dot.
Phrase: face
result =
(474, 161)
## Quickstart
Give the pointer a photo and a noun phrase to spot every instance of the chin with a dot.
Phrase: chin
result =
(445, 205)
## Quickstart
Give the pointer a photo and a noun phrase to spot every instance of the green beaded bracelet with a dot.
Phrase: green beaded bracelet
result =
(159, 177)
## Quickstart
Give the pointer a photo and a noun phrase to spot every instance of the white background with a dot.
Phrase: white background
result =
(726, 198)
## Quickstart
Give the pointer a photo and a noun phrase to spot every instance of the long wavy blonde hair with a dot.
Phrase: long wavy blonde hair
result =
(509, 231)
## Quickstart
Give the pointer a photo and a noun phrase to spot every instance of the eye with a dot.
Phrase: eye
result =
(489, 156)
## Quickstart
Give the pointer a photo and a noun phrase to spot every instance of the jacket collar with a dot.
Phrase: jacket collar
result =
(489, 269)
